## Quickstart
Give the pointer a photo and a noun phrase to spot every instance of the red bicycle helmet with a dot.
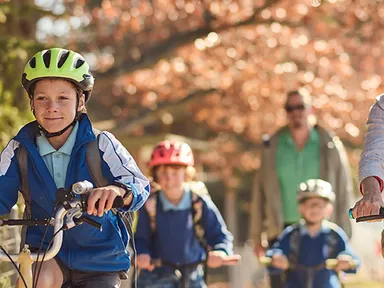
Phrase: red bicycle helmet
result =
(171, 152)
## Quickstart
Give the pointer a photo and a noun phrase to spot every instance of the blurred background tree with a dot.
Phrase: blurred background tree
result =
(219, 70)
(17, 42)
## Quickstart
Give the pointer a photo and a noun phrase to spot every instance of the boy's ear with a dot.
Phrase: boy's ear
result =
(300, 208)
(329, 210)
(31, 105)
(81, 105)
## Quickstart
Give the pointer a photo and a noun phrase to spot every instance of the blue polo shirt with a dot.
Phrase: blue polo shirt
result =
(184, 204)
(57, 160)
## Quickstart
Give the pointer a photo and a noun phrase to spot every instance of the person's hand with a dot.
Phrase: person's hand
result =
(371, 202)
(105, 195)
(280, 261)
(344, 263)
(144, 262)
(259, 250)
(216, 258)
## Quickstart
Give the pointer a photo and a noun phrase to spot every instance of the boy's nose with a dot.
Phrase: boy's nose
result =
(52, 105)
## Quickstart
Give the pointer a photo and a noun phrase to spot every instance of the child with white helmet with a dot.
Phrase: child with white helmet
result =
(304, 249)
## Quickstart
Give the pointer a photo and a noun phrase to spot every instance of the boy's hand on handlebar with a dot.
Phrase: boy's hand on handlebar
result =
(216, 258)
(105, 195)
(144, 262)
(280, 261)
(259, 250)
(344, 263)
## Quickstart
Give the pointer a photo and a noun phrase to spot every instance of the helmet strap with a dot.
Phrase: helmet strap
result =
(55, 134)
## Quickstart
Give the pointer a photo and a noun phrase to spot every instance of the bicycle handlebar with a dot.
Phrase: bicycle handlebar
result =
(379, 216)
(73, 208)
(232, 260)
(330, 264)
(57, 241)
(227, 261)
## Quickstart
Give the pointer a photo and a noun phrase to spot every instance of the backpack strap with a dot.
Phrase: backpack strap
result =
(294, 245)
(332, 239)
(22, 159)
(198, 190)
(93, 160)
(151, 208)
(197, 217)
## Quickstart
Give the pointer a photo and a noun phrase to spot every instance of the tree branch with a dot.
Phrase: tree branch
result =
(157, 52)
(148, 116)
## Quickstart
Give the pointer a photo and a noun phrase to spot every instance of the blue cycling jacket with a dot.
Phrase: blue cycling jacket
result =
(313, 251)
(175, 240)
(84, 247)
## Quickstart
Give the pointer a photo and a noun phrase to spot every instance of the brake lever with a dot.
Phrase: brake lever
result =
(89, 221)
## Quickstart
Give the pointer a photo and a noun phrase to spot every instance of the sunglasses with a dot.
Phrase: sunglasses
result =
(300, 107)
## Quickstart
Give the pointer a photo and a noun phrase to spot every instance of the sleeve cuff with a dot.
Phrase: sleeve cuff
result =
(380, 183)
(222, 247)
(129, 189)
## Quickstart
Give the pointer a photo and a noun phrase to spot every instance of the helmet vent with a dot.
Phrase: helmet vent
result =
(32, 63)
(63, 57)
(79, 63)
(47, 58)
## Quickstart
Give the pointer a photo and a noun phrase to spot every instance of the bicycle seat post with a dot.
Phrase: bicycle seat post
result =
(25, 262)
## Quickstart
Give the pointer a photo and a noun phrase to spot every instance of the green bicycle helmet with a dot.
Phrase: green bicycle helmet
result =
(61, 63)
(315, 188)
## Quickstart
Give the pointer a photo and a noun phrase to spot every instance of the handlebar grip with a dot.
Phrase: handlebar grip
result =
(117, 203)
(264, 260)
(332, 263)
(156, 262)
(379, 216)
(232, 260)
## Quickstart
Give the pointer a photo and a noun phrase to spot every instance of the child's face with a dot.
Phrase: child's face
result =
(314, 210)
(170, 177)
(54, 104)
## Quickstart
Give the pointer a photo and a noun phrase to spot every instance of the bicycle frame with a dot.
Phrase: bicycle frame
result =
(25, 258)
(329, 264)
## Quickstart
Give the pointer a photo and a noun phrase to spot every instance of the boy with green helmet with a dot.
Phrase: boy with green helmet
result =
(59, 83)
(62, 64)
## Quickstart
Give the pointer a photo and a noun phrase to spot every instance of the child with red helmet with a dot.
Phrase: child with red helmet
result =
(179, 225)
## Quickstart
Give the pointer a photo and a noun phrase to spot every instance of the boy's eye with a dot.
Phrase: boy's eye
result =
(63, 98)
(41, 98)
